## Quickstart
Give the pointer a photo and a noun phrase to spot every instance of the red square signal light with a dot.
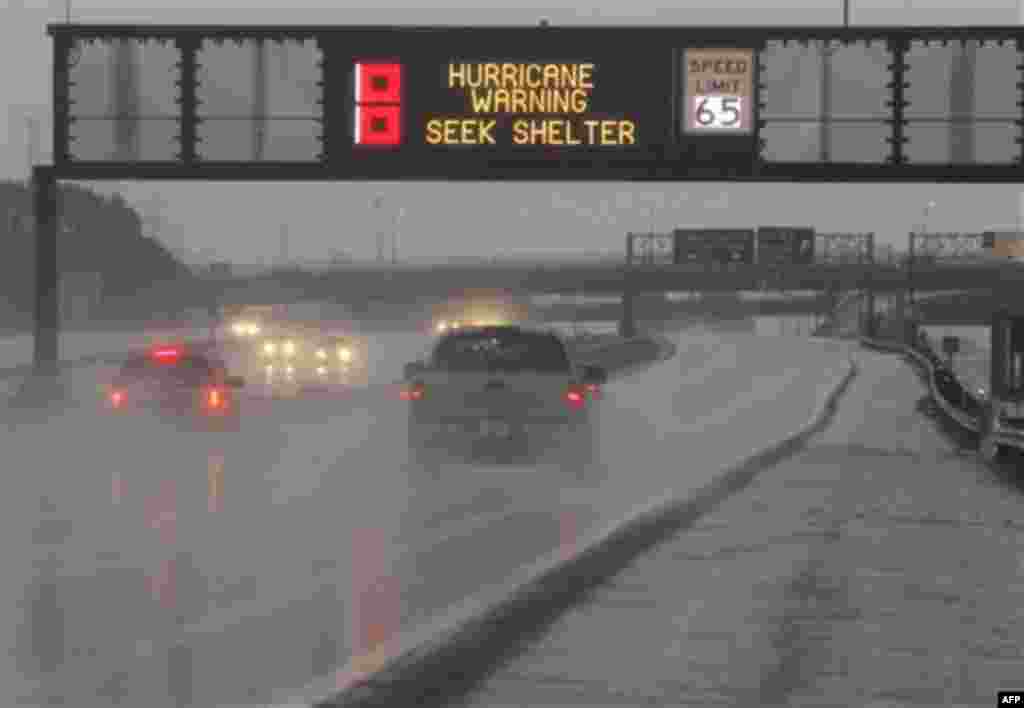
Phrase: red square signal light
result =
(378, 125)
(378, 103)
(378, 83)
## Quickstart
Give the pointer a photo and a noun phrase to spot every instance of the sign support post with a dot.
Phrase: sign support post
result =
(47, 296)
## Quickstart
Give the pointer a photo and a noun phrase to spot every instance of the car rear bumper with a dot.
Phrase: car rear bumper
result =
(499, 424)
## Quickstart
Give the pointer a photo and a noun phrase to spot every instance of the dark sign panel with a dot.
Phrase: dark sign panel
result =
(714, 246)
(444, 103)
(783, 245)
(507, 104)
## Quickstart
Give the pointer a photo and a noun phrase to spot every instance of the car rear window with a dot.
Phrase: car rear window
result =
(189, 370)
(193, 370)
(501, 351)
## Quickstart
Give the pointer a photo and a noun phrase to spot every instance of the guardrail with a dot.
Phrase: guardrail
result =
(962, 418)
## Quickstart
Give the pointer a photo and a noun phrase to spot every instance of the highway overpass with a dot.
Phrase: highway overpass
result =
(353, 285)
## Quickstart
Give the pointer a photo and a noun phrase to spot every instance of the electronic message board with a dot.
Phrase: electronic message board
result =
(493, 103)
(498, 105)
(714, 246)
(782, 245)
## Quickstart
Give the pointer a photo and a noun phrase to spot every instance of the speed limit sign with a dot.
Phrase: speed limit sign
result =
(719, 90)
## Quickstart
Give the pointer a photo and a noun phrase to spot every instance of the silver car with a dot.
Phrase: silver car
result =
(504, 389)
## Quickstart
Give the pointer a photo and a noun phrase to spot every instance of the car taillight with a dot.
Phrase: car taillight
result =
(116, 398)
(166, 355)
(216, 399)
(414, 392)
(576, 396)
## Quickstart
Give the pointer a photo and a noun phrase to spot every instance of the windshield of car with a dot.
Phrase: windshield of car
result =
(501, 351)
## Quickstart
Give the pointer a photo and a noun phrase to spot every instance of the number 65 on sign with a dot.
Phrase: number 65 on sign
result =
(717, 113)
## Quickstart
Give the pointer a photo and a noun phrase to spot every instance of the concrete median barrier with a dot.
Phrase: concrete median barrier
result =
(449, 658)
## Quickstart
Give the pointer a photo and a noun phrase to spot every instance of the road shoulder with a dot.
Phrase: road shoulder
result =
(877, 567)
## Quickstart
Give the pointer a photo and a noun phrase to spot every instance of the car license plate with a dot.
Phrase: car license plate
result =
(494, 427)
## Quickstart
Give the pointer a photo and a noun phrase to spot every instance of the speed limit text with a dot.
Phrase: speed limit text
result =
(719, 74)
(717, 85)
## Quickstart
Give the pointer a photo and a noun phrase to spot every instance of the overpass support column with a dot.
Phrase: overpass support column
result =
(47, 315)
(627, 323)
(869, 327)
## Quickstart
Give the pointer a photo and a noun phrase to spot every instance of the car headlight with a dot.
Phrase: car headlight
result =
(289, 370)
(289, 348)
(254, 330)
(345, 354)
(269, 348)
(321, 353)
(442, 326)
(239, 329)
(322, 370)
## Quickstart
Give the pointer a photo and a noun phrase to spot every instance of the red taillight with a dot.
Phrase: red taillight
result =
(166, 355)
(116, 398)
(216, 399)
(413, 393)
(576, 396)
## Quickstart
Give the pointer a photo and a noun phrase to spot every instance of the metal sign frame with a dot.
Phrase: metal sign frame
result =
(675, 156)
(679, 157)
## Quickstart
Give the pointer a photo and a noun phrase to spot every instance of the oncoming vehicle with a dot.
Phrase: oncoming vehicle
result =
(506, 384)
(340, 359)
(301, 357)
(484, 310)
(177, 382)
(248, 322)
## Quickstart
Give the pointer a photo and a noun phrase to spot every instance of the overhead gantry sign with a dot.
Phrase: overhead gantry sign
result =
(529, 103)
(518, 103)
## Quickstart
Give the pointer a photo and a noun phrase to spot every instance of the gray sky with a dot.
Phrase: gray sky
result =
(243, 222)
